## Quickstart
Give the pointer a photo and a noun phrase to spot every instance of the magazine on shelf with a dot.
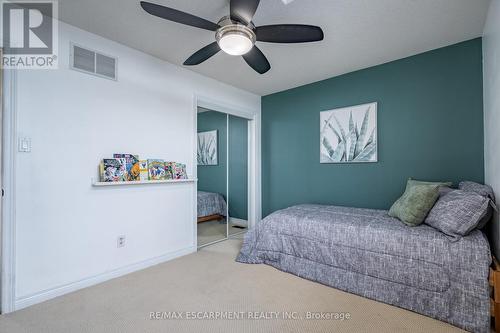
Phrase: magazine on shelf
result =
(113, 170)
(169, 168)
(179, 171)
(157, 170)
(143, 170)
(132, 167)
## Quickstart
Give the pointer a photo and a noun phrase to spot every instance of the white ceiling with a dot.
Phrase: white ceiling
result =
(358, 34)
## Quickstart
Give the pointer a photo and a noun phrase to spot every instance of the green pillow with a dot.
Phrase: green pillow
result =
(415, 203)
(412, 182)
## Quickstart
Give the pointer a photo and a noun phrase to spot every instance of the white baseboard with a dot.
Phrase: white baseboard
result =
(90, 281)
(239, 222)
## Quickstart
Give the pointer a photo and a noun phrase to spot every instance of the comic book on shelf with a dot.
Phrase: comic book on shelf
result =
(179, 171)
(143, 170)
(113, 170)
(157, 170)
(169, 168)
(132, 167)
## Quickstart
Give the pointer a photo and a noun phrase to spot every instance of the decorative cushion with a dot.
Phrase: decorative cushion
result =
(443, 190)
(412, 182)
(415, 203)
(444, 187)
(457, 213)
(485, 191)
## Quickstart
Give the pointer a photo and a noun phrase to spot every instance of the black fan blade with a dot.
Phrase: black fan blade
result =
(201, 55)
(178, 16)
(289, 33)
(243, 10)
(257, 60)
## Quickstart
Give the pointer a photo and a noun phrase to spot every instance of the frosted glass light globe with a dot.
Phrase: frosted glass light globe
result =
(235, 43)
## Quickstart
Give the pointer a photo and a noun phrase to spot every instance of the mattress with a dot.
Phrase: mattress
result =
(210, 203)
(369, 253)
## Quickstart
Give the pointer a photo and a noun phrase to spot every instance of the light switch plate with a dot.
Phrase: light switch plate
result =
(24, 145)
(120, 241)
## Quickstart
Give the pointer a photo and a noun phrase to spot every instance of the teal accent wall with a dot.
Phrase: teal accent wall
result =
(430, 127)
(238, 167)
(213, 178)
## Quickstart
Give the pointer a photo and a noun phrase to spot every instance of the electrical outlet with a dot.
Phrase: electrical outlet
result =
(24, 145)
(120, 241)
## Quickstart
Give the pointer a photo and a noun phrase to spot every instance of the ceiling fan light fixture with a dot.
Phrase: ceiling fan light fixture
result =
(235, 39)
(235, 44)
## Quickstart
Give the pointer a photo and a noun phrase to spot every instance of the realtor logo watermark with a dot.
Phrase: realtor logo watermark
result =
(29, 33)
(248, 315)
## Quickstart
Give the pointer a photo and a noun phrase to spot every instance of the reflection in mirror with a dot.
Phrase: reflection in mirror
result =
(212, 176)
(238, 174)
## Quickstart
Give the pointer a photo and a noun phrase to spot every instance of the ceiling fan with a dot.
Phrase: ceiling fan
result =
(236, 34)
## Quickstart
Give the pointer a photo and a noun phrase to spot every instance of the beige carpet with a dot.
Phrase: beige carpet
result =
(235, 228)
(211, 231)
(210, 280)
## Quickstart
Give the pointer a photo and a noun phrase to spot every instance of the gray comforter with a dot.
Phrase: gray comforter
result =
(211, 204)
(368, 253)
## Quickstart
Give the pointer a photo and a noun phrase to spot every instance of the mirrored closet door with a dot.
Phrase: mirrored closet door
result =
(238, 174)
(212, 176)
(222, 176)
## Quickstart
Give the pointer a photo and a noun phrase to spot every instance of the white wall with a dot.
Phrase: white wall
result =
(491, 54)
(65, 229)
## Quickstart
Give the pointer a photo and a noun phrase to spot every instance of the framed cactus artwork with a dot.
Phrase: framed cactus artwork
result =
(207, 148)
(349, 135)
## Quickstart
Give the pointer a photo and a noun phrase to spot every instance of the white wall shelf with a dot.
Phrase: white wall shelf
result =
(143, 182)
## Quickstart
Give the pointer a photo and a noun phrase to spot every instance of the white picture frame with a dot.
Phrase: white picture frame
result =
(349, 134)
(207, 153)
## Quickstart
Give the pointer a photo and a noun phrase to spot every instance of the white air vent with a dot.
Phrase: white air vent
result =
(92, 62)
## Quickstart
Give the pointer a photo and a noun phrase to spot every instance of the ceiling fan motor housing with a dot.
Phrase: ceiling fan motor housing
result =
(230, 29)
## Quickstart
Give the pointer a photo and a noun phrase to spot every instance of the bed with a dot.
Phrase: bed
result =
(211, 206)
(366, 252)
